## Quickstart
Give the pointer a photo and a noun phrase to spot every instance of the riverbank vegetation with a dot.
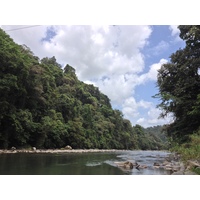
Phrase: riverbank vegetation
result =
(189, 150)
(179, 92)
(44, 105)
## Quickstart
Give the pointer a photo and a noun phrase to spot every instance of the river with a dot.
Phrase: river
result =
(102, 163)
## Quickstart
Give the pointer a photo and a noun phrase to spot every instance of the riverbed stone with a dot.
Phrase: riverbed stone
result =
(156, 164)
(188, 172)
(166, 163)
(143, 166)
(13, 148)
(193, 163)
(176, 168)
(68, 147)
(177, 173)
(34, 148)
(126, 164)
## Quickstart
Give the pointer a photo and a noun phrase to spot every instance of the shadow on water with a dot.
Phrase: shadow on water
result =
(80, 163)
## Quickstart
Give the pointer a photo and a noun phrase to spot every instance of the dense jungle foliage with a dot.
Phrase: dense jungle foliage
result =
(45, 106)
(179, 87)
(179, 91)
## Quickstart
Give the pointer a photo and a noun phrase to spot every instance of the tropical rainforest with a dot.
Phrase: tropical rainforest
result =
(179, 92)
(44, 105)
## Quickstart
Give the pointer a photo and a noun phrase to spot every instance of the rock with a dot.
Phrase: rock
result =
(34, 148)
(193, 163)
(178, 173)
(156, 164)
(189, 173)
(126, 165)
(176, 168)
(169, 168)
(142, 166)
(165, 163)
(68, 147)
(182, 167)
(13, 148)
(138, 167)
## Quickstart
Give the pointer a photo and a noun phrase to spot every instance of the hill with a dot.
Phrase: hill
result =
(46, 106)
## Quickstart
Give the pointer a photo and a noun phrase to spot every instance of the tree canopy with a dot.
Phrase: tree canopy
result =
(179, 86)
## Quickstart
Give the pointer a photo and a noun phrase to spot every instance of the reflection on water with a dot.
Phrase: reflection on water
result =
(80, 163)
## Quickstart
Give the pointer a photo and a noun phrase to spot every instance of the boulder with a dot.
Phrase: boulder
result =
(156, 164)
(68, 147)
(142, 166)
(193, 163)
(13, 148)
(126, 165)
(130, 165)
(182, 167)
(165, 163)
(176, 168)
(34, 148)
(188, 172)
(178, 173)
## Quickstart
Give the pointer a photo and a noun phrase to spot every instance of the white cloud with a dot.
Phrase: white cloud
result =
(151, 75)
(141, 121)
(117, 87)
(161, 46)
(31, 37)
(153, 118)
(132, 111)
(129, 108)
(175, 32)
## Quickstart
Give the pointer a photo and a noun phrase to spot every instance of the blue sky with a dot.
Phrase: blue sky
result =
(121, 60)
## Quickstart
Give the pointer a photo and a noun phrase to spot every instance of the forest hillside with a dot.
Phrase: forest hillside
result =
(46, 106)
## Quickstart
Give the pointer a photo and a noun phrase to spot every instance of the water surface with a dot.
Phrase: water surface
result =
(102, 163)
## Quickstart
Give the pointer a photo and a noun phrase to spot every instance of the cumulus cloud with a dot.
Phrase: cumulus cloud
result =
(175, 32)
(151, 75)
(153, 118)
(130, 108)
(143, 112)
(100, 51)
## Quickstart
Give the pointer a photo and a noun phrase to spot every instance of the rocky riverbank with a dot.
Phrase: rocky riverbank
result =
(34, 150)
(174, 164)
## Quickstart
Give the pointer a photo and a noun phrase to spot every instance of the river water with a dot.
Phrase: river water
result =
(102, 163)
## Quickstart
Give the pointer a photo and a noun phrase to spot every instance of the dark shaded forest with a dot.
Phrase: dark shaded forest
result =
(46, 106)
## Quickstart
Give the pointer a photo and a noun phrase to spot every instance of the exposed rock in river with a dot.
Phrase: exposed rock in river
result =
(177, 167)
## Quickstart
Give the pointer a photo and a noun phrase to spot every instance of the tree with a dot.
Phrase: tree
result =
(179, 86)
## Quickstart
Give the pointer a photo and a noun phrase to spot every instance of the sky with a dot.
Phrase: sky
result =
(121, 60)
